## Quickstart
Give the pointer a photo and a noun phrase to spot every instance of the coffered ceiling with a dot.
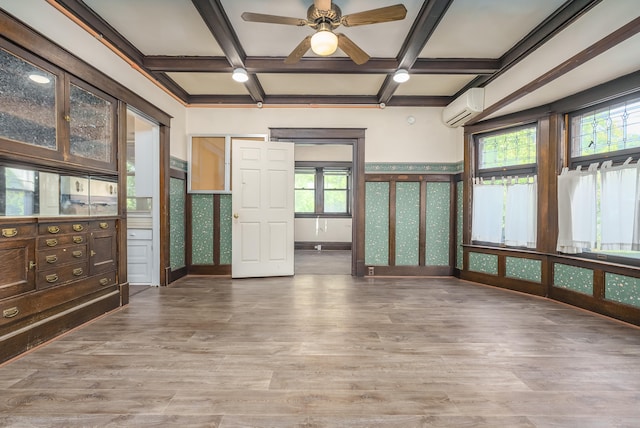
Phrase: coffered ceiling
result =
(191, 48)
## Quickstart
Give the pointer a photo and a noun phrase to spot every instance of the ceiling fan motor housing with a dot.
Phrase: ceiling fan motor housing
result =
(318, 16)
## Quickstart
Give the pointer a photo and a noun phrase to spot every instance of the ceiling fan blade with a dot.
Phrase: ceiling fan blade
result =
(375, 16)
(322, 4)
(299, 51)
(273, 19)
(356, 54)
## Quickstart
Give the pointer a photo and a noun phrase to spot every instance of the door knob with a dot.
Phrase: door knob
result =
(235, 215)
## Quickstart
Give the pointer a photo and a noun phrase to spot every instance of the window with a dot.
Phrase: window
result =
(599, 195)
(504, 190)
(323, 190)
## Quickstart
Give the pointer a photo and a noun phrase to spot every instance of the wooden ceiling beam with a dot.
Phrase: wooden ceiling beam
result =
(320, 65)
(218, 23)
(318, 100)
(423, 27)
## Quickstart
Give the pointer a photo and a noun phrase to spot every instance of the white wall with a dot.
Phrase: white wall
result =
(323, 230)
(48, 21)
(389, 136)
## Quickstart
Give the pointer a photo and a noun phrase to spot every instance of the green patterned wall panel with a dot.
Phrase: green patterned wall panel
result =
(485, 263)
(177, 241)
(459, 217)
(623, 289)
(202, 229)
(376, 234)
(407, 223)
(573, 278)
(438, 224)
(225, 229)
(525, 269)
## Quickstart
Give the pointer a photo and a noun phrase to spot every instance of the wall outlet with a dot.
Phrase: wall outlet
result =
(371, 271)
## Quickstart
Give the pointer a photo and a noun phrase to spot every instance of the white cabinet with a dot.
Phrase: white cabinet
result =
(139, 256)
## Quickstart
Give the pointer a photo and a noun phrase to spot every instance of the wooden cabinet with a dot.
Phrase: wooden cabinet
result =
(17, 259)
(50, 268)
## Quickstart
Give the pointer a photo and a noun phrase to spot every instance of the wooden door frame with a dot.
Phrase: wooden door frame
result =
(356, 138)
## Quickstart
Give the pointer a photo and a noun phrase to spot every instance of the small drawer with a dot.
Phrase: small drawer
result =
(56, 241)
(97, 225)
(105, 279)
(16, 231)
(60, 256)
(62, 228)
(63, 274)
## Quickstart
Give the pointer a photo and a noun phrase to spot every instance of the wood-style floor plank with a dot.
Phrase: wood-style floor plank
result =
(331, 351)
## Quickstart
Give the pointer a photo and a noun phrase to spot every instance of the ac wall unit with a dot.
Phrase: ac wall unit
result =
(464, 108)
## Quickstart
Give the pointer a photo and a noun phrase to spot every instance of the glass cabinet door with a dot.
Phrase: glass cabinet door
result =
(27, 102)
(91, 123)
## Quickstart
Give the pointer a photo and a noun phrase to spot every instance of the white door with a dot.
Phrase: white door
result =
(263, 207)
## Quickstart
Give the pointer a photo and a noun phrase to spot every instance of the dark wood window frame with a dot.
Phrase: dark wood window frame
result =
(319, 168)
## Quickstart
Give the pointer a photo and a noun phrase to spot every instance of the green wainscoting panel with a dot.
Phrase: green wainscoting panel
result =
(376, 232)
(177, 196)
(485, 263)
(202, 229)
(573, 278)
(438, 224)
(459, 217)
(623, 289)
(225, 229)
(525, 269)
(407, 223)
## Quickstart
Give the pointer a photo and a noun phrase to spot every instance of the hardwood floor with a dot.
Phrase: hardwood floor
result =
(325, 262)
(331, 351)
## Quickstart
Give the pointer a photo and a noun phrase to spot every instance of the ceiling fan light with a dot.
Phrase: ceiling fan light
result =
(324, 42)
(401, 76)
(240, 75)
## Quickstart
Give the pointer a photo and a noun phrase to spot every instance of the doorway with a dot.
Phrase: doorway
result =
(354, 139)
(143, 189)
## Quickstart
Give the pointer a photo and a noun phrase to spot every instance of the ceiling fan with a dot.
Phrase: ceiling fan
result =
(324, 16)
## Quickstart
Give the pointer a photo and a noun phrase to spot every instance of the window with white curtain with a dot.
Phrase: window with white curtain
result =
(504, 210)
(599, 195)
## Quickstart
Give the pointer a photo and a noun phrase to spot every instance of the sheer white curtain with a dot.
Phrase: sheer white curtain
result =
(488, 200)
(521, 215)
(619, 207)
(577, 210)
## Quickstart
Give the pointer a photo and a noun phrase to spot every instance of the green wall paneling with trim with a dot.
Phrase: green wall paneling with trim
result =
(202, 229)
(573, 278)
(177, 197)
(525, 269)
(376, 224)
(438, 219)
(622, 289)
(407, 223)
(485, 263)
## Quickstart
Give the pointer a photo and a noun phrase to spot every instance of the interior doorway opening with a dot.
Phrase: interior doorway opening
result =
(320, 148)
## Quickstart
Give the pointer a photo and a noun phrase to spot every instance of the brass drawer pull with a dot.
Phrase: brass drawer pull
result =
(77, 272)
(11, 312)
(10, 232)
(52, 242)
(77, 254)
(104, 281)
(53, 229)
(51, 259)
(51, 278)
(104, 225)
(78, 227)
(78, 239)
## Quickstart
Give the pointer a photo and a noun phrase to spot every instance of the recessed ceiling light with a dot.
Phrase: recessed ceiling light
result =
(240, 75)
(39, 78)
(401, 76)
